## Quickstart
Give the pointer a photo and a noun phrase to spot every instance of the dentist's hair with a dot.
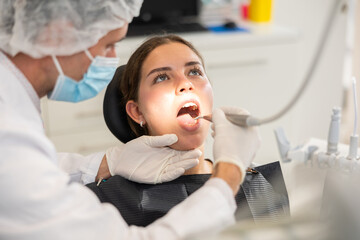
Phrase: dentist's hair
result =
(130, 82)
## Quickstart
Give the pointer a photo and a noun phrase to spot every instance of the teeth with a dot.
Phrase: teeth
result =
(190, 104)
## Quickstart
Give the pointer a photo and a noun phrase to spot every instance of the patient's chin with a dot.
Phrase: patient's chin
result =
(185, 144)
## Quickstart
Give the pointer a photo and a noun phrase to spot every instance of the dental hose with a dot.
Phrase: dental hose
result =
(252, 121)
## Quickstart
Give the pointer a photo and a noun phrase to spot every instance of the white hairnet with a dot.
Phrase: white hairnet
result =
(60, 27)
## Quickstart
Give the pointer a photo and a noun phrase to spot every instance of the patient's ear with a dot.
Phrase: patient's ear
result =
(132, 109)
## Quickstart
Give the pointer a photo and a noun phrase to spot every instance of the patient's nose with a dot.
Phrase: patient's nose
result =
(185, 86)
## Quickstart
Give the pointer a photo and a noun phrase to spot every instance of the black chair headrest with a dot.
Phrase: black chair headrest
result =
(114, 110)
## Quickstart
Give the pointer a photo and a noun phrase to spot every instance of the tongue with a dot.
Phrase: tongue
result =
(186, 120)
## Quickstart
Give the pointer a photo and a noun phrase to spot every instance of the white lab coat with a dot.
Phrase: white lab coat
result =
(40, 201)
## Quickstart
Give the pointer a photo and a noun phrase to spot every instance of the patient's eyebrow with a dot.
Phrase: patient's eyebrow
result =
(192, 63)
(159, 70)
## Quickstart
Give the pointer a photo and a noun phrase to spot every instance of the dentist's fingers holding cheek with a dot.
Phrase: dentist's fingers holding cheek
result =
(148, 159)
(176, 167)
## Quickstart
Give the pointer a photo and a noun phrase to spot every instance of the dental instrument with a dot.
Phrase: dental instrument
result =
(354, 138)
(242, 120)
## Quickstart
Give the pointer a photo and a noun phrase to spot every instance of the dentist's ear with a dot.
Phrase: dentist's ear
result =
(132, 109)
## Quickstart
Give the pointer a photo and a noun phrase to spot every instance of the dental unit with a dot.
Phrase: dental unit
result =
(321, 153)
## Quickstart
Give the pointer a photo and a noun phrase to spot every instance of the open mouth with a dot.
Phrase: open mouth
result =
(189, 108)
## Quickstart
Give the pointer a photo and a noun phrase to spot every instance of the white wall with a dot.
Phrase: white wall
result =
(353, 69)
(326, 89)
(311, 115)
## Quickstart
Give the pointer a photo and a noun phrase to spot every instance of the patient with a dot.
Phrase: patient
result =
(165, 86)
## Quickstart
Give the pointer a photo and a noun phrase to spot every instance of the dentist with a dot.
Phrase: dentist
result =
(65, 49)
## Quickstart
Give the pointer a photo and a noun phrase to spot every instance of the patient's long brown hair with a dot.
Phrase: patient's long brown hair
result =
(130, 82)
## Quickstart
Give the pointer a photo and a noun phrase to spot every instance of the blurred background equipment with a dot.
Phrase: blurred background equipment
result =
(260, 11)
(159, 16)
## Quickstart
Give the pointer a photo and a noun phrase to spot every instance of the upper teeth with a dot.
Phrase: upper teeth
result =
(190, 104)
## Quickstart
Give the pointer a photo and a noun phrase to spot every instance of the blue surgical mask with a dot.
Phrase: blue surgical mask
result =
(97, 77)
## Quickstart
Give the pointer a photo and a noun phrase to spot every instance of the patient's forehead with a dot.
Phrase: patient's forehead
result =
(170, 54)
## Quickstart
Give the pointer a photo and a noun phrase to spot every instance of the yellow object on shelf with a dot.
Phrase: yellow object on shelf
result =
(260, 10)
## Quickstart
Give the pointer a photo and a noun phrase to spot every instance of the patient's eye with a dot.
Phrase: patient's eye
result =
(161, 77)
(195, 72)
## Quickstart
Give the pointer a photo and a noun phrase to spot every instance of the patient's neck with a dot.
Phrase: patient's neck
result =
(203, 167)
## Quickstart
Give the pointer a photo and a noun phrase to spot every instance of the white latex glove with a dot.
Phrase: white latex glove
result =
(148, 159)
(232, 143)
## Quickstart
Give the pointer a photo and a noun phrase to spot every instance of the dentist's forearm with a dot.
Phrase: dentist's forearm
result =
(230, 173)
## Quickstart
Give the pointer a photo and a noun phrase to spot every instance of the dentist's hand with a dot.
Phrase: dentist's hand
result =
(233, 144)
(148, 159)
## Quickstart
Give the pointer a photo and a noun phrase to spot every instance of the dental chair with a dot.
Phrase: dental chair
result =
(258, 199)
(114, 112)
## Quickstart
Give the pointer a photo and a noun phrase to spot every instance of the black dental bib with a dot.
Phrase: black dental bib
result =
(262, 196)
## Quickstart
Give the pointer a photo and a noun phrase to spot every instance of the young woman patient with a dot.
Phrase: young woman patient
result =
(165, 87)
